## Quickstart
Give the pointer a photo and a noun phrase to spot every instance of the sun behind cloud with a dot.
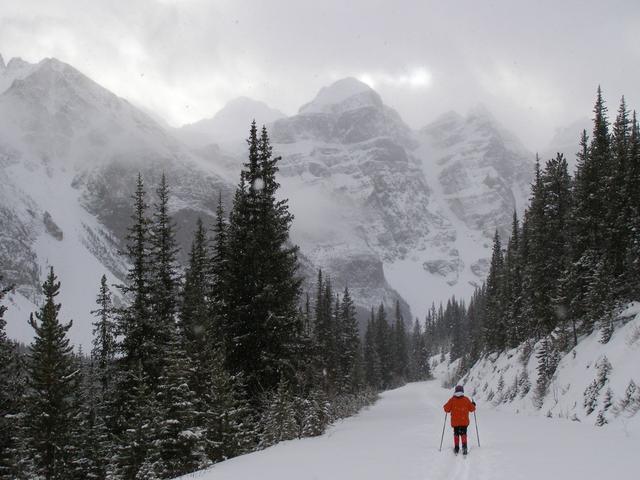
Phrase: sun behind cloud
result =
(419, 77)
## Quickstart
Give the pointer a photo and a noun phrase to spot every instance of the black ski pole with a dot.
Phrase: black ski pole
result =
(443, 425)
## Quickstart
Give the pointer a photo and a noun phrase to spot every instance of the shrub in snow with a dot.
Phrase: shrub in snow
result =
(524, 384)
(606, 329)
(279, 417)
(548, 359)
(511, 394)
(592, 392)
(316, 415)
(630, 403)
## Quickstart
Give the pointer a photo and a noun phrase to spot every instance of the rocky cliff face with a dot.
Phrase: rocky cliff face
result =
(424, 204)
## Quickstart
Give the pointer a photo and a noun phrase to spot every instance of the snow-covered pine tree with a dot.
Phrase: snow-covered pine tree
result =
(279, 416)
(513, 271)
(164, 280)
(52, 384)
(262, 329)
(180, 440)
(137, 437)
(619, 213)
(134, 322)
(229, 423)
(195, 322)
(326, 333)
(556, 183)
(350, 363)
(632, 270)
(372, 364)
(383, 341)
(104, 338)
(494, 326)
(11, 392)
(316, 414)
(217, 276)
(400, 349)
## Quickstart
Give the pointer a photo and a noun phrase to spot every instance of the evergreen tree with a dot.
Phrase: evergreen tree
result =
(349, 352)
(52, 382)
(228, 418)
(136, 447)
(494, 333)
(262, 329)
(632, 271)
(279, 418)
(196, 329)
(383, 344)
(619, 213)
(164, 280)
(400, 349)
(218, 275)
(11, 392)
(516, 324)
(372, 364)
(134, 322)
(179, 439)
(104, 338)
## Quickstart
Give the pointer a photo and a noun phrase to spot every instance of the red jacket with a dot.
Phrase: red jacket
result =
(459, 408)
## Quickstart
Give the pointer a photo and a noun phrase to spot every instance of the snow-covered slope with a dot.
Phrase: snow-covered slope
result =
(70, 152)
(578, 390)
(399, 438)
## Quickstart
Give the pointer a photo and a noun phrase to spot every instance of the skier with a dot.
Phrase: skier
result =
(459, 407)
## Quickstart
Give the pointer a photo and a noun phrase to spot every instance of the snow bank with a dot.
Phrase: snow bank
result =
(590, 384)
(399, 438)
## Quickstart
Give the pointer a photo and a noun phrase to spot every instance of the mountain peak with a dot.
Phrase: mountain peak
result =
(231, 123)
(16, 69)
(16, 63)
(345, 94)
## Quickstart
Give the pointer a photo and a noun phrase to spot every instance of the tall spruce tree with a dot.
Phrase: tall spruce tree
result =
(164, 279)
(494, 325)
(134, 322)
(52, 383)
(195, 322)
(349, 353)
(262, 327)
(11, 392)
(104, 337)
(372, 364)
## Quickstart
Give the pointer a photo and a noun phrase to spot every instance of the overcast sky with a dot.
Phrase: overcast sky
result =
(535, 64)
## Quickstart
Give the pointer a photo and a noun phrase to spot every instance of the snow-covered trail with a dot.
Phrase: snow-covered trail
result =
(399, 436)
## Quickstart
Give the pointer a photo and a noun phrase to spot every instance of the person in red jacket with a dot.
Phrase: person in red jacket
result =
(459, 407)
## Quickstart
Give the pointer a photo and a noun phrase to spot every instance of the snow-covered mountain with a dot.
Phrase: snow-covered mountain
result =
(229, 127)
(394, 213)
(69, 154)
(423, 204)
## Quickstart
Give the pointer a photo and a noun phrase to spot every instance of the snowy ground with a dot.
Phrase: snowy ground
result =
(399, 436)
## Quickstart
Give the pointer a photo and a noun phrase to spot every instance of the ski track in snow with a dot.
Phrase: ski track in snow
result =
(399, 437)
